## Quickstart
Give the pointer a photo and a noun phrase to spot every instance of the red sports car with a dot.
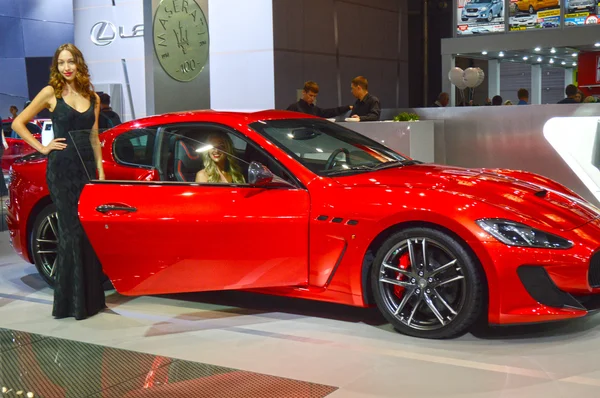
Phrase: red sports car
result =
(16, 146)
(321, 212)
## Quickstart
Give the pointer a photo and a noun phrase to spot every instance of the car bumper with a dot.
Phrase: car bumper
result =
(540, 285)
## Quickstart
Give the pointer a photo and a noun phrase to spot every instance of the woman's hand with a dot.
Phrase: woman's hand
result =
(56, 144)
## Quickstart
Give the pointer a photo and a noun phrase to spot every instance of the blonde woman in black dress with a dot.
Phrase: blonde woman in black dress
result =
(74, 105)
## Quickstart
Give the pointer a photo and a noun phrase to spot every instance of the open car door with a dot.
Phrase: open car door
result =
(155, 237)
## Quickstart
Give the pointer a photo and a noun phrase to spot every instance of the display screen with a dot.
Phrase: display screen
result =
(581, 12)
(479, 17)
(534, 14)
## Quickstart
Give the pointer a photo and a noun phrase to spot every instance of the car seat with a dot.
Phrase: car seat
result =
(187, 162)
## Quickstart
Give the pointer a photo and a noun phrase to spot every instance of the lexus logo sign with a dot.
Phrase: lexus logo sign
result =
(104, 33)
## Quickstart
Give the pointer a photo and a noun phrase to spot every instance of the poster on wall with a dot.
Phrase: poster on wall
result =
(581, 12)
(479, 17)
(534, 14)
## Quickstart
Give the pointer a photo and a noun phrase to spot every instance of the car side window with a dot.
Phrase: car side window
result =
(190, 152)
(135, 147)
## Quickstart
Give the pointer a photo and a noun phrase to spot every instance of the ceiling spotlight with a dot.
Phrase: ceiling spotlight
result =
(484, 52)
(538, 49)
(539, 59)
(574, 55)
(525, 58)
(553, 50)
(563, 63)
(597, 44)
(574, 63)
(551, 61)
(501, 54)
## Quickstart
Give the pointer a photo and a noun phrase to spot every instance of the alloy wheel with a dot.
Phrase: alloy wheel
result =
(422, 284)
(46, 245)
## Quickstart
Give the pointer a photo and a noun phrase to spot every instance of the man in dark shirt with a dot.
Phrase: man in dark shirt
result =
(366, 108)
(306, 104)
(571, 92)
(108, 118)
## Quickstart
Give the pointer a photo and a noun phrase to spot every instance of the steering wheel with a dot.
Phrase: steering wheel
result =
(334, 154)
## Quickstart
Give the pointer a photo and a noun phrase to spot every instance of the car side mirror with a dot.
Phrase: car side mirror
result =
(259, 175)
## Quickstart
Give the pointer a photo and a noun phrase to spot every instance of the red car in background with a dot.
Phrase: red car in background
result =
(16, 146)
(325, 214)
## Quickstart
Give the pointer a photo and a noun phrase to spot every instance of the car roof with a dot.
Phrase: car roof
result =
(211, 116)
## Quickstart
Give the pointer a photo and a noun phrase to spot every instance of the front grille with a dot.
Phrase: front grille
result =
(473, 10)
(594, 271)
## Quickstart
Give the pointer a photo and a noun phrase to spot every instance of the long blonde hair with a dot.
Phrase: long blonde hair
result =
(83, 85)
(231, 164)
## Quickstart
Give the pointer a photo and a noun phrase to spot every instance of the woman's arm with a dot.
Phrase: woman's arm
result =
(95, 140)
(4, 143)
(43, 100)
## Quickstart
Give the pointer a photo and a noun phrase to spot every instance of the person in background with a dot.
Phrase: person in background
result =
(523, 95)
(107, 118)
(13, 112)
(571, 92)
(579, 97)
(508, 102)
(4, 146)
(306, 104)
(367, 107)
(590, 100)
(496, 100)
(442, 100)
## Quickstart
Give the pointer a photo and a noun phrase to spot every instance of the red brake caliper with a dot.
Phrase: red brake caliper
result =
(403, 263)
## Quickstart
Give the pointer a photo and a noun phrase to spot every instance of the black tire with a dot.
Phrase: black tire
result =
(531, 10)
(444, 299)
(490, 17)
(43, 242)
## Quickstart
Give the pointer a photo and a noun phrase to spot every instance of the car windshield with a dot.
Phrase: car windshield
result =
(327, 148)
(479, 2)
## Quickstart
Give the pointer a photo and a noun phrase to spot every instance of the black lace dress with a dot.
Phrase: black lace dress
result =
(78, 288)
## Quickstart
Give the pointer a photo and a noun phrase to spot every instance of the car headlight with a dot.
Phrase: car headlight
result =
(515, 234)
(483, 9)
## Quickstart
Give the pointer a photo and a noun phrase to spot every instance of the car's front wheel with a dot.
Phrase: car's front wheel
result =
(43, 243)
(531, 10)
(427, 284)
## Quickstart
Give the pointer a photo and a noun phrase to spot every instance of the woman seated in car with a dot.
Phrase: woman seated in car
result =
(219, 164)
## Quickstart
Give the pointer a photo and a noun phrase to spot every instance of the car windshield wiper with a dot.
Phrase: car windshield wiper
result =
(395, 163)
(349, 169)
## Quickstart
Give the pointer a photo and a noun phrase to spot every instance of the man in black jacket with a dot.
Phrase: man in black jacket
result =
(367, 107)
(306, 104)
(108, 118)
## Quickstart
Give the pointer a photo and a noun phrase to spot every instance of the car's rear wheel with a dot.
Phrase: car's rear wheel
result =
(43, 243)
(427, 284)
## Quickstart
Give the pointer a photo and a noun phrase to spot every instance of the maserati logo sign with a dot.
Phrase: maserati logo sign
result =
(104, 33)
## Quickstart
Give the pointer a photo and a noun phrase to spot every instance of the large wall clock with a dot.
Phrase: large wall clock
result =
(180, 35)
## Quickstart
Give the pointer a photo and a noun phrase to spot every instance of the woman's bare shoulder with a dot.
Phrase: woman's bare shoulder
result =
(201, 176)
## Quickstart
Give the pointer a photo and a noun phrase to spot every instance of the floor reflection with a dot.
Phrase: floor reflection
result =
(36, 366)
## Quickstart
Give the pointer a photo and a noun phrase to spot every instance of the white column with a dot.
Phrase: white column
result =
(447, 64)
(535, 96)
(568, 76)
(493, 77)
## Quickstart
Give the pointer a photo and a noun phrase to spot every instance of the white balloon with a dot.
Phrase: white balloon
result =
(461, 85)
(471, 77)
(455, 75)
(481, 76)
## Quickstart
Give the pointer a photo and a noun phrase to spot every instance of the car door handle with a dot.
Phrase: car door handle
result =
(109, 208)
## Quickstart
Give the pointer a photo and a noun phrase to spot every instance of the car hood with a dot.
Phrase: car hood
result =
(536, 203)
